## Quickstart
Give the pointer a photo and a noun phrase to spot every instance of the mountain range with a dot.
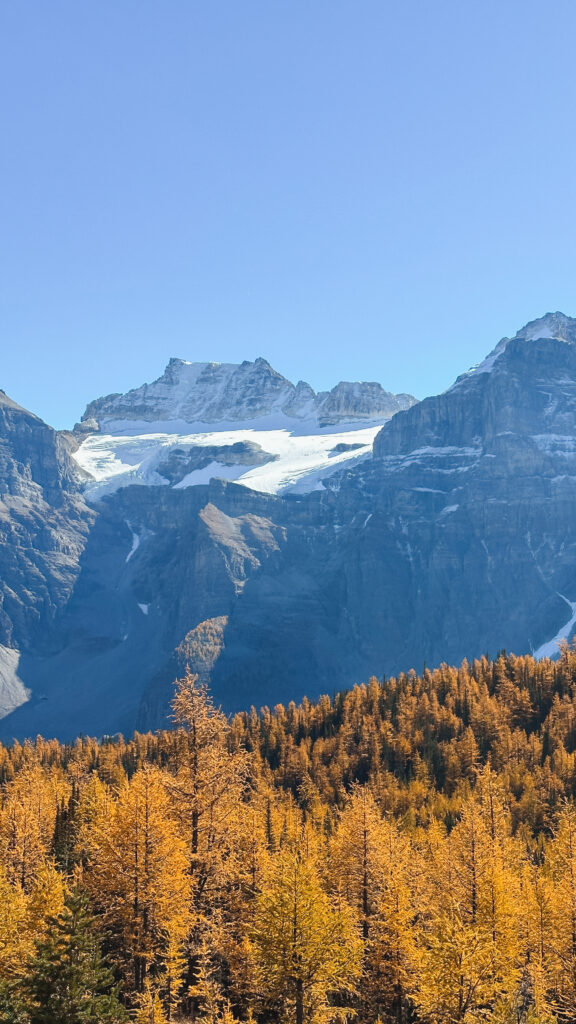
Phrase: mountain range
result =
(281, 542)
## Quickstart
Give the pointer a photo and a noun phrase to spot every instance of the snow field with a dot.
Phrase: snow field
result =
(302, 459)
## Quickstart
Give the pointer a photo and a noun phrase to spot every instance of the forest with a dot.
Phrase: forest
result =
(400, 853)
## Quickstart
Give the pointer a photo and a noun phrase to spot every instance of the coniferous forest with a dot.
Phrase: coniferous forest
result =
(403, 852)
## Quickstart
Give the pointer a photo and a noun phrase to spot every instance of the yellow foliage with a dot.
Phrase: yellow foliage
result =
(307, 944)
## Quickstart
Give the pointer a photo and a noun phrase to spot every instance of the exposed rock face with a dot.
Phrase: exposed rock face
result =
(508, 394)
(355, 401)
(183, 460)
(34, 459)
(44, 523)
(458, 537)
(475, 492)
(217, 392)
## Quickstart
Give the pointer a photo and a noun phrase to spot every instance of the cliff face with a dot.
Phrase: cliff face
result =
(475, 491)
(43, 525)
(458, 537)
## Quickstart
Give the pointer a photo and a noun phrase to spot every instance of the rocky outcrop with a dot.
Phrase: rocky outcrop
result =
(182, 460)
(357, 401)
(34, 459)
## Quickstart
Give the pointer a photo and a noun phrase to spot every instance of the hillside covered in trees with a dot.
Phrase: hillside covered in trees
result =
(404, 852)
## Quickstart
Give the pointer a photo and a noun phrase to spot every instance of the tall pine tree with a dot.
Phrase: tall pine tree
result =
(69, 981)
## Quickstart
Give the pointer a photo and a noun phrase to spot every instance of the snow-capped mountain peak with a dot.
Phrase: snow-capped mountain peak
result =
(556, 326)
(238, 393)
(244, 422)
(551, 325)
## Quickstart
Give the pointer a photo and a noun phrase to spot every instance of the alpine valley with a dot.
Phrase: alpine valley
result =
(281, 542)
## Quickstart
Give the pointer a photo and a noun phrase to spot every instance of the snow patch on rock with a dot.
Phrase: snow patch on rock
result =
(303, 457)
(551, 649)
(13, 692)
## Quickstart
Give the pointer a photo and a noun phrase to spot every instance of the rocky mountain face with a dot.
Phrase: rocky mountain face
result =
(44, 523)
(220, 392)
(472, 493)
(457, 537)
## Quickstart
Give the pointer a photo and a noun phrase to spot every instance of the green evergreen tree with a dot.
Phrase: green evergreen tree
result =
(12, 1009)
(69, 982)
(66, 831)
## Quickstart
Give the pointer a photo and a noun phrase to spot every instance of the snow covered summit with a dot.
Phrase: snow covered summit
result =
(239, 393)
(242, 422)
(556, 326)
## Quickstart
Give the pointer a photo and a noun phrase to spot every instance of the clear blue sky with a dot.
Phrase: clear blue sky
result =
(355, 189)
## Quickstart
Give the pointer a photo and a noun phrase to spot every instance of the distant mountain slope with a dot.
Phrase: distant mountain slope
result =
(455, 538)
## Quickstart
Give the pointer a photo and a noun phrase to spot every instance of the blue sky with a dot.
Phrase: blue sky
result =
(356, 190)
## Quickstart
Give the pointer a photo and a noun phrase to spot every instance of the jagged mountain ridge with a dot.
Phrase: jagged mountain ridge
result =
(216, 392)
(457, 537)
(184, 428)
